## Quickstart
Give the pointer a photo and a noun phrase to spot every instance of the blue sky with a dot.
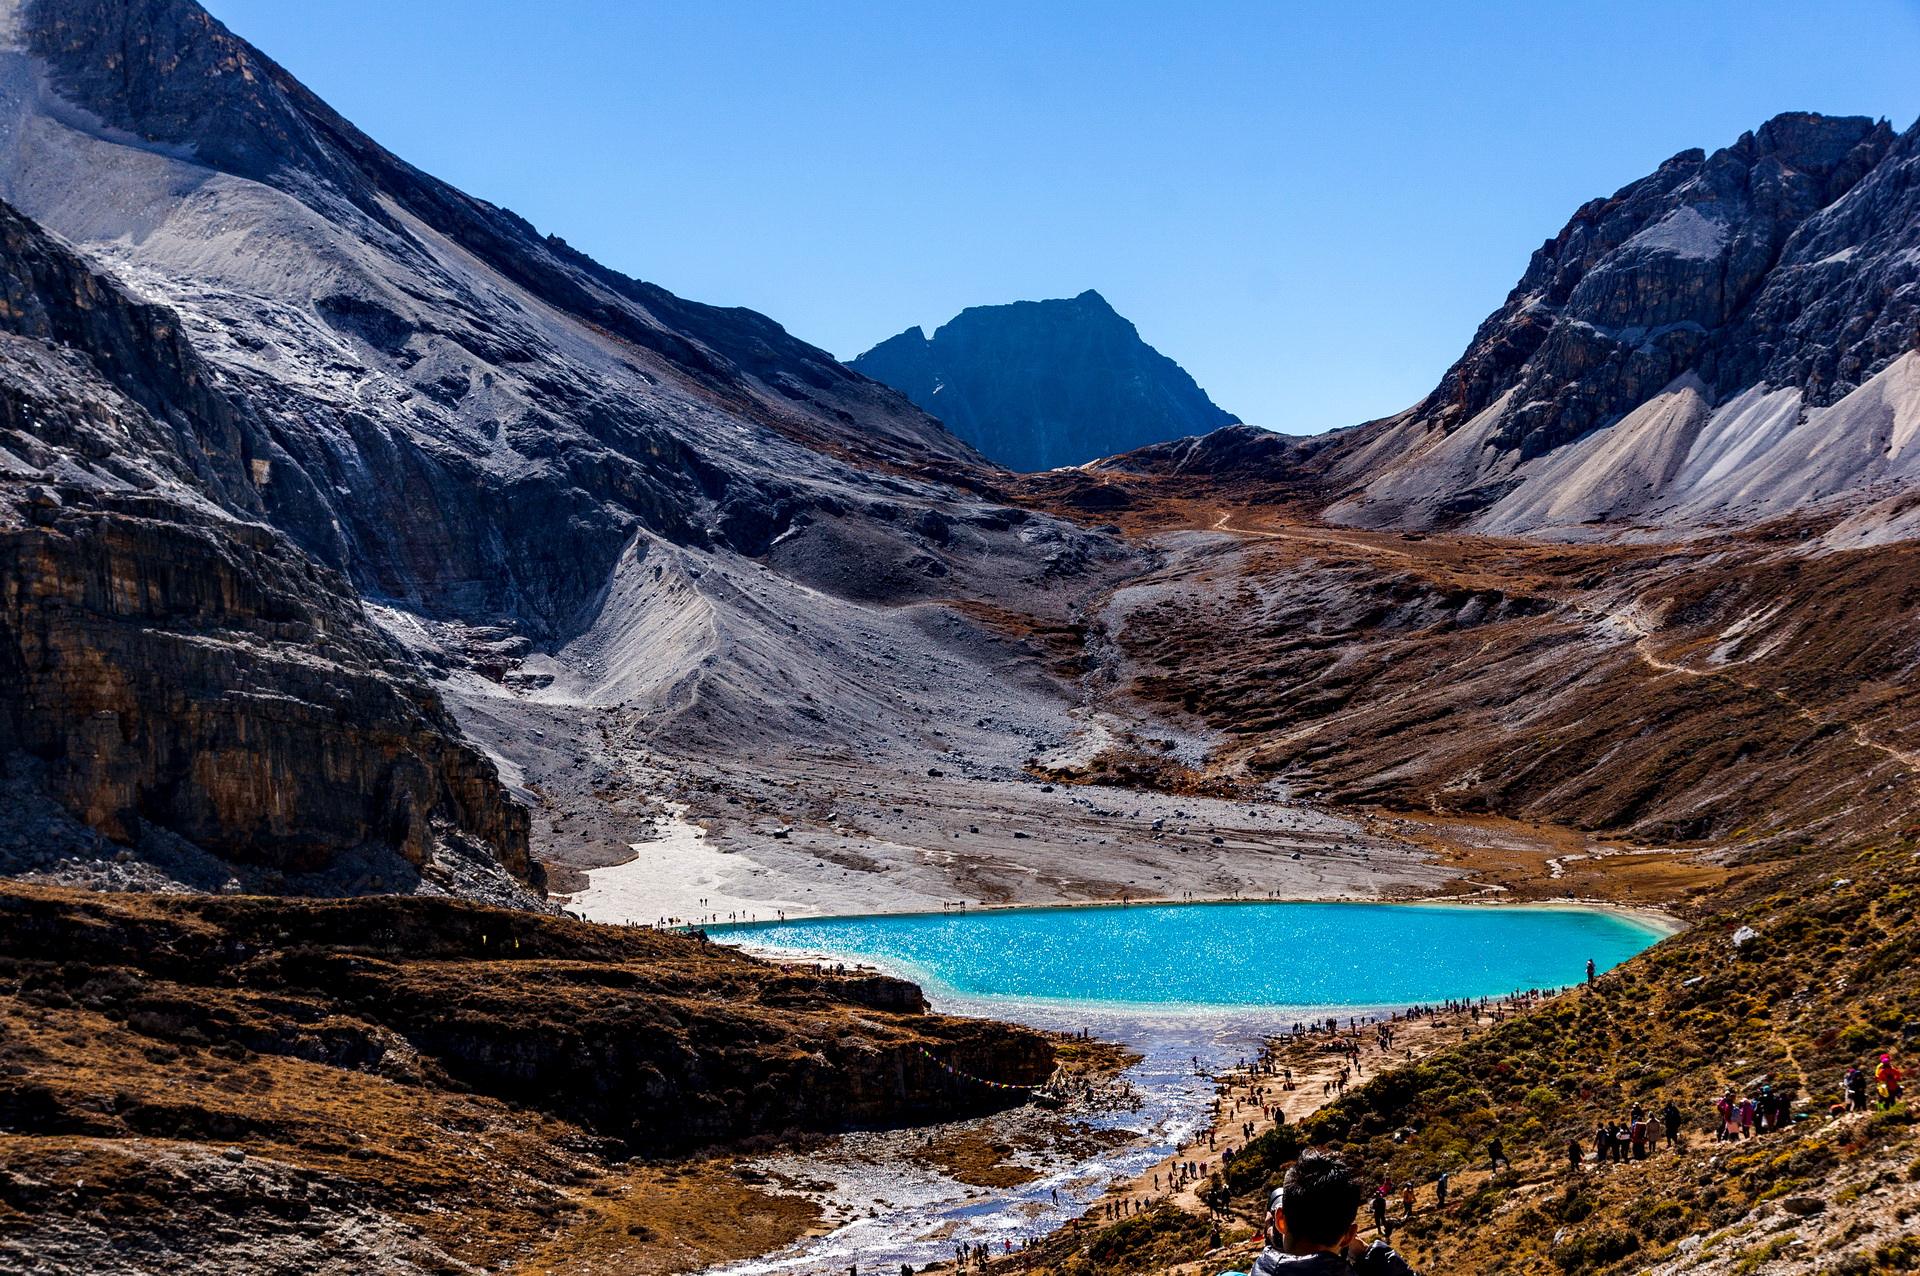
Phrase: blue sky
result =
(1310, 206)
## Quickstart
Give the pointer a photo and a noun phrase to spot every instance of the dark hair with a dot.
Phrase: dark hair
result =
(1319, 1198)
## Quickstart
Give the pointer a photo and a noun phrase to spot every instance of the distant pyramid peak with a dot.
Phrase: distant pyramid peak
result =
(1040, 384)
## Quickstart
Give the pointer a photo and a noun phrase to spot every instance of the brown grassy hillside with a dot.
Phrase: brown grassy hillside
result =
(410, 1084)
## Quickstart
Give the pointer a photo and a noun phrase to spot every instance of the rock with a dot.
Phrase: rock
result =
(1783, 262)
(1041, 384)
(1803, 1206)
(179, 672)
(1744, 936)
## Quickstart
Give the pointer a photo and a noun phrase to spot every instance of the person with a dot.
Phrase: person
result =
(1670, 1117)
(1497, 1155)
(1603, 1142)
(1888, 1078)
(1589, 970)
(1314, 1225)
(1380, 1207)
(1855, 1086)
(1406, 1197)
(1440, 1190)
(1574, 1156)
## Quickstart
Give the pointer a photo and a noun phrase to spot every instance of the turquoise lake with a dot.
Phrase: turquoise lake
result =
(1294, 955)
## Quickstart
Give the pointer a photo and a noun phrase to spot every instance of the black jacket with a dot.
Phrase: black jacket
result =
(1379, 1260)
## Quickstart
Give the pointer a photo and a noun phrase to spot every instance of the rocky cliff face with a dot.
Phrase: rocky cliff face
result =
(1041, 384)
(1731, 338)
(177, 676)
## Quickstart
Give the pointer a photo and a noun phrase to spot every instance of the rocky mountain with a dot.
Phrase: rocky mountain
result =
(1041, 384)
(181, 679)
(1730, 338)
(352, 431)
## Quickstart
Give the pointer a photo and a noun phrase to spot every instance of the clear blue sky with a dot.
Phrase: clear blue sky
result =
(1310, 206)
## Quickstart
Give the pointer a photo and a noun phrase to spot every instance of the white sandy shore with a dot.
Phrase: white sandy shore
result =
(677, 876)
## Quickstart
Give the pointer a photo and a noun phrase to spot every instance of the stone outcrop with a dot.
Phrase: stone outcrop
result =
(661, 1041)
(1667, 276)
(1041, 384)
(204, 1085)
(174, 674)
(203, 677)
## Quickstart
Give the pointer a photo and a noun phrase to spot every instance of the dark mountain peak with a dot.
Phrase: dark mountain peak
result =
(1808, 140)
(1088, 309)
(172, 74)
(1040, 384)
(911, 339)
(1785, 262)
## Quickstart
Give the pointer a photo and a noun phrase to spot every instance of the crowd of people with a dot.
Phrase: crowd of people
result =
(1314, 1223)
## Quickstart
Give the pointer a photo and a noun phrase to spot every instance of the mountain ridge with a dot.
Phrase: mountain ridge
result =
(1042, 384)
(514, 456)
(1665, 362)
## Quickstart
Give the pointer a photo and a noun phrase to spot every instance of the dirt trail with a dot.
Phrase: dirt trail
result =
(1643, 636)
(1251, 1098)
(1624, 621)
(1222, 524)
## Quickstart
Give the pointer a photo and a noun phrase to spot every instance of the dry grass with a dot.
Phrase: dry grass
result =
(431, 1082)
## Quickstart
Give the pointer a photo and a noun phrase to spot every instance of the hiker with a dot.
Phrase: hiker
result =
(1574, 1155)
(1670, 1117)
(1497, 1155)
(1887, 1077)
(1440, 1190)
(1729, 1117)
(1603, 1142)
(1589, 970)
(1746, 1118)
(1854, 1087)
(1312, 1228)
(1380, 1208)
(1406, 1197)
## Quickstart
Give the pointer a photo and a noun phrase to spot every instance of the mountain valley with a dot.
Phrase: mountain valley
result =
(383, 580)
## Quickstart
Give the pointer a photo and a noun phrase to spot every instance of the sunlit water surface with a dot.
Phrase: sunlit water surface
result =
(1173, 981)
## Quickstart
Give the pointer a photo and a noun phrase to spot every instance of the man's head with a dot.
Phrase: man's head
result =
(1316, 1205)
